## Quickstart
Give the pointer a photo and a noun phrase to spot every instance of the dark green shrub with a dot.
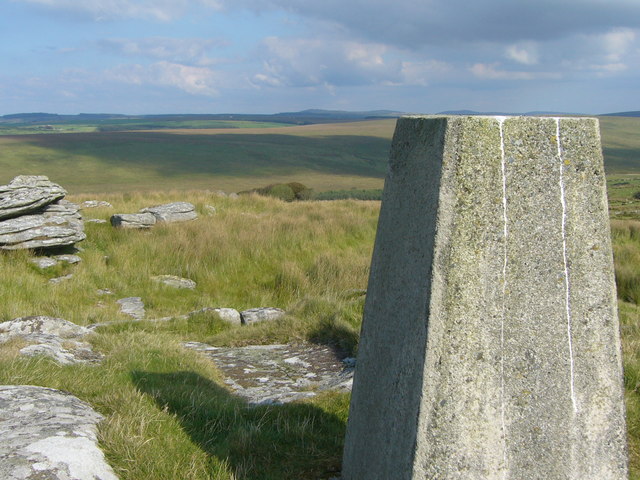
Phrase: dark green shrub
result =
(301, 191)
(281, 191)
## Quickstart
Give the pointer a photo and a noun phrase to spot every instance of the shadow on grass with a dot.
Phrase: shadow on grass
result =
(291, 441)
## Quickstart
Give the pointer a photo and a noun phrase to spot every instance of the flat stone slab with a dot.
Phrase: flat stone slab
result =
(175, 282)
(133, 220)
(49, 435)
(172, 212)
(261, 314)
(132, 306)
(277, 374)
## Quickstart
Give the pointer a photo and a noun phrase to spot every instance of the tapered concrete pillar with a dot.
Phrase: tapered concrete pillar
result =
(490, 346)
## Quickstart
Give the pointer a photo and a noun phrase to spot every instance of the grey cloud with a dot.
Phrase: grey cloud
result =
(412, 24)
(175, 49)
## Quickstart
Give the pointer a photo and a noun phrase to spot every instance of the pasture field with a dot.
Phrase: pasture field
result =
(167, 414)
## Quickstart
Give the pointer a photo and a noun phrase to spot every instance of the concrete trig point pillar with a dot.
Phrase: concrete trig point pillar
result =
(490, 345)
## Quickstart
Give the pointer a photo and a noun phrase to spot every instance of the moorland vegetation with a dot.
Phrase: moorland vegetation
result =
(167, 413)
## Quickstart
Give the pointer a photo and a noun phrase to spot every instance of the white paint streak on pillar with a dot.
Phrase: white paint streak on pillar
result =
(567, 286)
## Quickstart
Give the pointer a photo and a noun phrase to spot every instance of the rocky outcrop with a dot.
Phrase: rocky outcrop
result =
(255, 315)
(133, 220)
(49, 434)
(172, 212)
(52, 337)
(26, 194)
(148, 217)
(229, 315)
(33, 215)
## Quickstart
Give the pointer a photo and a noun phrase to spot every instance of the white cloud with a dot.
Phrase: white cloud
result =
(172, 49)
(304, 62)
(193, 80)
(492, 72)
(617, 42)
(524, 53)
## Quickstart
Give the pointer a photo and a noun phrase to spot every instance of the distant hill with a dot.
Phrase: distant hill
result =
(622, 114)
(296, 118)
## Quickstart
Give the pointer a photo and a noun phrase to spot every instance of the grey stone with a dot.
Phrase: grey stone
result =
(104, 291)
(175, 282)
(28, 327)
(67, 258)
(277, 374)
(211, 210)
(233, 196)
(44, 262)
(58, 224)
(49, 434)
(95, 204)
(95, 220)
(26, 194)
(230, 315)
(132, 306)
(262, 314)
(55, 338)
(172, 212)
(133, 220)
(492, 274)
(64, 278)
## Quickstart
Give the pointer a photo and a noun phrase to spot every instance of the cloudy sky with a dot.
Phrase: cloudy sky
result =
(268, 56)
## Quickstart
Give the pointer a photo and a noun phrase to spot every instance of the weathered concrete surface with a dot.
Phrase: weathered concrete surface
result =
(493, 273)
(48, 434)
(277, 374)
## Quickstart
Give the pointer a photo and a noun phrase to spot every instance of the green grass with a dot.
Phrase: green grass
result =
(167, 415)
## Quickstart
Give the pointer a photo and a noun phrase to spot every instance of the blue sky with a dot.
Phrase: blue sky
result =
(269, 56)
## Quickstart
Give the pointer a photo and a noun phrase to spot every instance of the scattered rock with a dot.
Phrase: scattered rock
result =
(56, 280)
(233, 196)
(175, 282)
(67, 258)
(95, 220)
(132, 306)
(133, 220)
(95, 204)
(49, 434)
(263, 314)
(104, 291)
(55, 338)
(210, 209)
(220, 193)
(276, 374)
(26, 194)
(55, 225)
(44, 262)
(29, 327)
(172, 212)
(230, 315)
